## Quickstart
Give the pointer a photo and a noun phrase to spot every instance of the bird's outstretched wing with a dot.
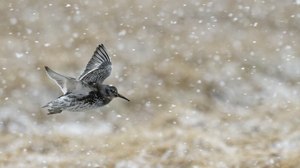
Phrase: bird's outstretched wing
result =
(66, 84)
(98, 68)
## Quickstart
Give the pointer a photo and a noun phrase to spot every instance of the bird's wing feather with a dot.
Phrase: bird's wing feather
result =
(98, 68)
(66, 84)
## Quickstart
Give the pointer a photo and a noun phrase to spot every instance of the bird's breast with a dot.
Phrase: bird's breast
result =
(95, 97)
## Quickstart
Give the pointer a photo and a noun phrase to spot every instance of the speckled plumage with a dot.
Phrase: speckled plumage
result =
(87, 92)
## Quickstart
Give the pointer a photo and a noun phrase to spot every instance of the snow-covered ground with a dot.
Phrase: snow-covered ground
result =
(211, 83)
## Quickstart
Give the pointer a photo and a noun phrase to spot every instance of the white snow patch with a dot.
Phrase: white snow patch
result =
(122, 33)
(19, 55)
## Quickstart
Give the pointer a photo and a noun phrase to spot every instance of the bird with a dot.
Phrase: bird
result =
(88, 91)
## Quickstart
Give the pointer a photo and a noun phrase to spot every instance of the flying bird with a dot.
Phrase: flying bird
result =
(88, 91)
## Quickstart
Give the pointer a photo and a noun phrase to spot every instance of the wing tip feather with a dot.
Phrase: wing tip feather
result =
(46, 68)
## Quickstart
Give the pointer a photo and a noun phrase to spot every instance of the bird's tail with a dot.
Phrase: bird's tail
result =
(52, 110)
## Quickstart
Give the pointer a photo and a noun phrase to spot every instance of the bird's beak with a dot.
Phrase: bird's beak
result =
(123, 97)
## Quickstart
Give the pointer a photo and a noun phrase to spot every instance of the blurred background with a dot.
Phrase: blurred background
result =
(211, 83)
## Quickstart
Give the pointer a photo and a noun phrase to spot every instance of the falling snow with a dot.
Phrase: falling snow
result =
(19, 55)
(211, 83)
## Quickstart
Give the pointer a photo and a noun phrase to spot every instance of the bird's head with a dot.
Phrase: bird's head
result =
(113, 92)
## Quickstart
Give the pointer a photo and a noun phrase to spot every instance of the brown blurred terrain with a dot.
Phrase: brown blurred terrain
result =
(211, 83)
